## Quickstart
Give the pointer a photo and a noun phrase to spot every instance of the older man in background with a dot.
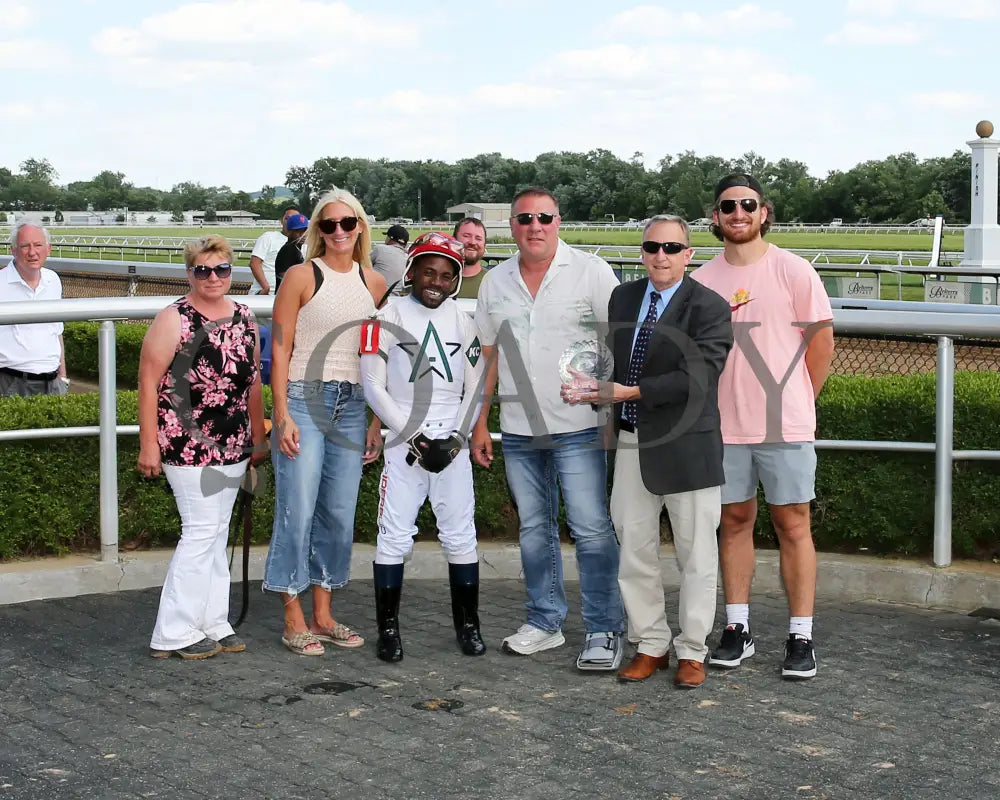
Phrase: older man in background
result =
(32, 360)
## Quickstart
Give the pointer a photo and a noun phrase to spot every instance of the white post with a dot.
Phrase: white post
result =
(982, 236)
(107, 376)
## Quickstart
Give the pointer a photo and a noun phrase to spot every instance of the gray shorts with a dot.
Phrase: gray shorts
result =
(787, 470)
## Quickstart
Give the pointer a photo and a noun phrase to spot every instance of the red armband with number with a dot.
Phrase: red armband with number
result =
(369, 337)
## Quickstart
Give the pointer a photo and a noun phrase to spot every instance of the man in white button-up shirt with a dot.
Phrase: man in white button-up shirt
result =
(31, 356)
(530, 310)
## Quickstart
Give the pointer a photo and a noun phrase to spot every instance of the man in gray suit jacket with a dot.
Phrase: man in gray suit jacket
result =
(670, 337)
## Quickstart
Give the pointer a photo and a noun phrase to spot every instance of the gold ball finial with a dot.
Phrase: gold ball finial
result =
(984, 129)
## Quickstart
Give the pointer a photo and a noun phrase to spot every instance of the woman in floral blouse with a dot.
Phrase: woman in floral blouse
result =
(201, 421)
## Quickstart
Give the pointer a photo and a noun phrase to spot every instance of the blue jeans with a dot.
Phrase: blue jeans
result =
(316, 493)
(579, 464)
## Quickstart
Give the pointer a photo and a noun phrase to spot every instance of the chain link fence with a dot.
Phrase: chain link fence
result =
(909, 355)
(90, 285)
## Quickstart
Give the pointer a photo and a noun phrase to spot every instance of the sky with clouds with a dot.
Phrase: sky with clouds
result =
(236, 91)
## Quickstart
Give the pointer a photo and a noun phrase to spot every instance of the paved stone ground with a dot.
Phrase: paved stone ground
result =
(906, 705)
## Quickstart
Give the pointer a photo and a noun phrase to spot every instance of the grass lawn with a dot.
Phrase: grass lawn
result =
(802, 240)
(912, 285)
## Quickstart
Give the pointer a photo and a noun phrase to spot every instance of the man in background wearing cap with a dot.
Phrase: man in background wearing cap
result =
(421, 365)
(389, 258)
(783, 331)
(265, 251)
(291, 253)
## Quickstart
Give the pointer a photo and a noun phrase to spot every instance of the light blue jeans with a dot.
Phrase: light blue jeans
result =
(316, 493)
(577, 464)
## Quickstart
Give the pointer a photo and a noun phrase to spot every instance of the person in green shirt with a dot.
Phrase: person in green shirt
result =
(471, 232)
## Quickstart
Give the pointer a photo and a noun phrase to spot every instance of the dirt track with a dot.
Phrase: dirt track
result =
(855, 356)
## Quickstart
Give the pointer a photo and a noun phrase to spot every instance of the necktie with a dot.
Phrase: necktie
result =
(630, 411)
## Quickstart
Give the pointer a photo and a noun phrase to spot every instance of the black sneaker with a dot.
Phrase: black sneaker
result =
(206, 648)
(800, 659)
(232, 644)
(735, 645)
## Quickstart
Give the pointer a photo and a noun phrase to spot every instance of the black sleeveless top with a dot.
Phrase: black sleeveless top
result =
(203, 408)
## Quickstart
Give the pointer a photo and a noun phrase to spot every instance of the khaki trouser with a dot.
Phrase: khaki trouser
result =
(694, 518)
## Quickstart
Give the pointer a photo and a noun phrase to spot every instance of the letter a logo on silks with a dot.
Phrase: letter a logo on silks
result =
(433, 352)
(474, 351)
(369, 337)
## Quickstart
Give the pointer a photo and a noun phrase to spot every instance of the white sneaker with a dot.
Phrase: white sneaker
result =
(602, 652)
(530, 639)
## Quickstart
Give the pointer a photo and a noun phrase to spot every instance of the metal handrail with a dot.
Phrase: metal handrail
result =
(945, 325)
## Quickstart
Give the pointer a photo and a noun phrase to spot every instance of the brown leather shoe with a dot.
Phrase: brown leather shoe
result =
(642, 666)
(690, 674)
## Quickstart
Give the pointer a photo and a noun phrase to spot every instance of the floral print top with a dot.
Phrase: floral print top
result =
(203, 416)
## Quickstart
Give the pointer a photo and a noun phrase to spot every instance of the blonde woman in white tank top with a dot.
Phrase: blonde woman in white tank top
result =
(319, 419)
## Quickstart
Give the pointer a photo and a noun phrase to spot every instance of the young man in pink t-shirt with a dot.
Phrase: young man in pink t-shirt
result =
(783, 332)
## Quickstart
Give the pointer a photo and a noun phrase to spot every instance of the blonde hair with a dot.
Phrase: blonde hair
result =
(212, 245)
(315, 246)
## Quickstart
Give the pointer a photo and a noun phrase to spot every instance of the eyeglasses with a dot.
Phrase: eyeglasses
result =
(670, 248)
(524, 218)
(202, 272)
(329, 226)
(439, 240)
(748, 204)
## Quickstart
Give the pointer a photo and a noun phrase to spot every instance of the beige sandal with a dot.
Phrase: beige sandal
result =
(303, 643)
(341, 635)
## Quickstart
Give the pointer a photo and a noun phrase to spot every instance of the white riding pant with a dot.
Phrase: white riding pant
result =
(402, 490)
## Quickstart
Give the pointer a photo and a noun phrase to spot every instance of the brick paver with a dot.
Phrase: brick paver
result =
(906, 705)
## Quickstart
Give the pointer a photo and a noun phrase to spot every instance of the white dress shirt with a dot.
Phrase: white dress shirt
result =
(31, 348)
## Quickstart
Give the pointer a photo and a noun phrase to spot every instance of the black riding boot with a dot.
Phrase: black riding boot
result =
(388, 587)
(464, 579)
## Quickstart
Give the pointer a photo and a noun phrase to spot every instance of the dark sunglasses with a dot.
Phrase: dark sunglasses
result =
(524, 218)
(201, 272)
(670, 248)
(729, 206)
(328, 226)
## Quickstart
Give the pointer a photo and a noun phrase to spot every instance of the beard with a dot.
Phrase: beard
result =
(741, 236)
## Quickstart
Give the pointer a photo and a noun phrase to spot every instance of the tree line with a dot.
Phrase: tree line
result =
(34, 188)
(597, 186)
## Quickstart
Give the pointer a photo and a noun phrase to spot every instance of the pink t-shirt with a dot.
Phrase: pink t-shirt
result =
(765, 394)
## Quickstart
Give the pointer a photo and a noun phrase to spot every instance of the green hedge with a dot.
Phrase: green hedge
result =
(883, 502)
(49, 488)
(878, 502)
(80, 340)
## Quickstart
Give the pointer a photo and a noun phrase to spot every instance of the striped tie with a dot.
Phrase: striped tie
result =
(630, 410)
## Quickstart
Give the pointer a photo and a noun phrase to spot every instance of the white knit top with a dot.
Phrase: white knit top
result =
(328, 330)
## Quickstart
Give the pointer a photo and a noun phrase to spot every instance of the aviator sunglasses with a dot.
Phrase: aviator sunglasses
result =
(670, 248)
(202, 272)
(729, 206)
(329, 226)
(524, 218)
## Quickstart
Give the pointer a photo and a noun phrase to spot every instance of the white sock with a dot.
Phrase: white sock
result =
(801, 626)
(738, 613)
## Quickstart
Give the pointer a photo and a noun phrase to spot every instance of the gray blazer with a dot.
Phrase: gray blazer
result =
(680, 438)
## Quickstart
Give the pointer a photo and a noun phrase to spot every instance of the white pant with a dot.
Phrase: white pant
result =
(194, 602)
(402, 491)
(694, 518)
